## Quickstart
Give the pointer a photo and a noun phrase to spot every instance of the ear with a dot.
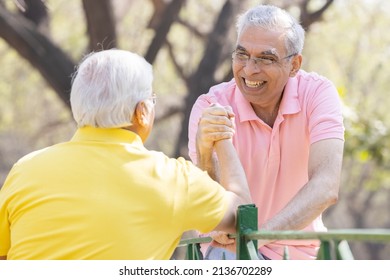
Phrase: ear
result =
(141, 114)
(295, 65)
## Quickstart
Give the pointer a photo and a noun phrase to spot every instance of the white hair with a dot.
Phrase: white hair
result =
(107, 86)
(273, 18)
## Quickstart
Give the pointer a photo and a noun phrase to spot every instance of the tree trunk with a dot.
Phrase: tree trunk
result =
(100, 24)
(203, 78)
(54, 65)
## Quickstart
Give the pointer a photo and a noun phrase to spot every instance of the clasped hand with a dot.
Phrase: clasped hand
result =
(221, 240)
(216, 123)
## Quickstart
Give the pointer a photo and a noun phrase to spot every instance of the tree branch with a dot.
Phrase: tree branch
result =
(308, 18)
(158, 12)
(168, 18)
(54, 65)
(35, 11)
(178, 67)
(192, 29)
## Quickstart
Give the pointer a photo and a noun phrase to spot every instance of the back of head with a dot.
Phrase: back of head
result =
(107, 87)
(273, 18)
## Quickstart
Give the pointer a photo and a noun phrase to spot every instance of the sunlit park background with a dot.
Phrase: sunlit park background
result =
(189, 44)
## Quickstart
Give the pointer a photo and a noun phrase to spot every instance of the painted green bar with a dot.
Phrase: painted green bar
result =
(332, 241)
(189, 252)
(185, 242)
(324, 253)
(252, 251)
(377, 235)
(343, 252)
(246, 222)
(193, 252)
(286, 253)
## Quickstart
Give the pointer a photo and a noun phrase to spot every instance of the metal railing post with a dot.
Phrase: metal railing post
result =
(343, 251)
(246, 222)
(193, 252)
(324, 253)
(334, 243)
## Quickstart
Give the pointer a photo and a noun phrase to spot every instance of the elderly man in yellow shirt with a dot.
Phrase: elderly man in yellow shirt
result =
(103, 195)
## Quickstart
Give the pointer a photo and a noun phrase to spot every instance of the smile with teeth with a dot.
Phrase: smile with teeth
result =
(254, 84)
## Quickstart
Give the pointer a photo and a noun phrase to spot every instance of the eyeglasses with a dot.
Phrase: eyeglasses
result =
(243, 58)
(153, 98)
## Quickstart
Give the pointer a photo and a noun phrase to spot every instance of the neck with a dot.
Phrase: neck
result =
(268, 114)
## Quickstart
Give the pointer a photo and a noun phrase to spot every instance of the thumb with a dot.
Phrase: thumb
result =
(229, 111)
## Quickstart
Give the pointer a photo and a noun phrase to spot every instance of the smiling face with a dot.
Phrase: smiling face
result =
(262, 83)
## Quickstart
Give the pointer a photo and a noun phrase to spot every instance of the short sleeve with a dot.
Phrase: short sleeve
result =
(207, 201)
(5, 237)
(325, 114)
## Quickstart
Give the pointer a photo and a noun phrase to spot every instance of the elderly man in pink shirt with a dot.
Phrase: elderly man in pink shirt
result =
(286, 126)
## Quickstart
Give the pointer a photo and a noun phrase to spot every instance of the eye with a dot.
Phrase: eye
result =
(267, 60)
(241, 56)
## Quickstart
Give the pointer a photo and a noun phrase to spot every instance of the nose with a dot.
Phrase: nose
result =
(251, 67)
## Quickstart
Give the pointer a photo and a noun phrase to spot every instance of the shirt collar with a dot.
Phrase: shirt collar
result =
(109, 135)
(244, 108)
(290, 102)
(289, 105)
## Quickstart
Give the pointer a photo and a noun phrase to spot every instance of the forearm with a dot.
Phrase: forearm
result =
(232, 175)
(306, 206)
(209, 163)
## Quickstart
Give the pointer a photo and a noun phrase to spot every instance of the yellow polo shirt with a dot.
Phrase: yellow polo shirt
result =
(103, 195)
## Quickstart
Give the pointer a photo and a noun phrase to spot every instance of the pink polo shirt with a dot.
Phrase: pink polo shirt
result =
(275, 159)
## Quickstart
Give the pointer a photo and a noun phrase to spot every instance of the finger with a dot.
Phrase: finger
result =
(229, 247)
(230, 112)
(214, 137)
(215, 128)
(214, 133)
(215, 119)
(223, 238)
(218, 110)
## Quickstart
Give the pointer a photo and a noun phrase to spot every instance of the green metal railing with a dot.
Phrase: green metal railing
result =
(334, 243)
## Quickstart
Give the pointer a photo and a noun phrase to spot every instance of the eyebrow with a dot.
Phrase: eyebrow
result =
(266, 52)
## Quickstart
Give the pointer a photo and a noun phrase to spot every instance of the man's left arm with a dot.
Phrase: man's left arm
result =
(320, 192)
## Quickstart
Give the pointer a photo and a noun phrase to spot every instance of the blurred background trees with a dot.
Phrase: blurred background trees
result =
(189, 44)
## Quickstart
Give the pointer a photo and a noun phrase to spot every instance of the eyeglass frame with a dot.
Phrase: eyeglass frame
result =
(262, 60)
(153, 98)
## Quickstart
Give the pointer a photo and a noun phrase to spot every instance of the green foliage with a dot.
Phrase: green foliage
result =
(367, 138)
(351, 48)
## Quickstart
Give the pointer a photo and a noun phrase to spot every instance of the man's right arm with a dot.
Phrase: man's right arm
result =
(211, 129)
(233, 179)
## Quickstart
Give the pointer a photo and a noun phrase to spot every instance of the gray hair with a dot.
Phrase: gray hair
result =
(107, 86)
(273, 18)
